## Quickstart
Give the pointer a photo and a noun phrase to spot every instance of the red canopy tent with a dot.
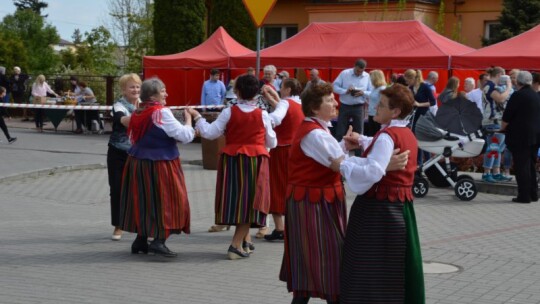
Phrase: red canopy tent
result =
(389, 45)
(185, 72)
(519, 52)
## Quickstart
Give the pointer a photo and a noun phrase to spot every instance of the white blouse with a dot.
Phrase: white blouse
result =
(217, 128)
(173, 128)
(281, 110)
(320, 144)
(361, 173)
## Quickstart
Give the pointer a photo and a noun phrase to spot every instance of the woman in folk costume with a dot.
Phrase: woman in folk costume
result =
(154, 201)
(382, 262)
(287, 117)
(315, 214)
(242, 189)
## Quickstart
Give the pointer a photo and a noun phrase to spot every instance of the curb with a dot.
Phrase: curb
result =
(51, 171)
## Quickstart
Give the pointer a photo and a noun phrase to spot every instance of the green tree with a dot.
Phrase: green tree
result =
(233, 16)
(95, 53)
(131, 26)
(13, 52)
(37, 38)
(178, 25)
(517, 16)
(35, 5)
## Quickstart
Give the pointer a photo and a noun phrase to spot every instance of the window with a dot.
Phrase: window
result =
(275, 34)
(491, 29)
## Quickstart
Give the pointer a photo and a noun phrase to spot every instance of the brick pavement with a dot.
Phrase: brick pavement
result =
(55, 247)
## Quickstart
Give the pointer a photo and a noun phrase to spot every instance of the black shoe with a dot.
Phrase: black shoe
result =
(139, 245)
(248, 247)
(12, 140)
(275, 235)
(518, 200)
(235, 254)
(158, 247)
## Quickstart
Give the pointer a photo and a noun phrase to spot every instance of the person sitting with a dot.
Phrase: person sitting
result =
(86, 97)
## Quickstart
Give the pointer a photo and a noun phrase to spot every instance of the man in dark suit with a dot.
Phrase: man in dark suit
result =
(521, 122)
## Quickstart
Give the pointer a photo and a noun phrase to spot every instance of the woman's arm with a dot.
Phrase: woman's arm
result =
(216, 128)
(322, 147)
(174, 129)
(270, 137)
(362, 173)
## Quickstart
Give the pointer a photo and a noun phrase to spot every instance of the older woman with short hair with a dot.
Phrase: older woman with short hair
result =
(119, 143)
(382, 232)
(154, 201)
(315, 210)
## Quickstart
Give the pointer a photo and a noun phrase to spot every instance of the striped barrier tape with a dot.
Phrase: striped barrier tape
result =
(89, 107)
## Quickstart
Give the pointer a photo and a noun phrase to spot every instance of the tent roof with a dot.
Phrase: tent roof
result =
(388, 44)
(520, 52)
(215, 52)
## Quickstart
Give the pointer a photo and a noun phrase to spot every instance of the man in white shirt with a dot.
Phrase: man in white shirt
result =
(472, 94)
(353, 86)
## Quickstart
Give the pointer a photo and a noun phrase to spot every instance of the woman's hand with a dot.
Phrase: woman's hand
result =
(398, 161)
(351, 140)
(194, 113)
(336, 163)
(270, 95)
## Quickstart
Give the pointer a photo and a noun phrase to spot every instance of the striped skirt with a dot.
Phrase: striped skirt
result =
(382, 262)
(279, 156)
(242, 190)
(154, 201)
(314, 234)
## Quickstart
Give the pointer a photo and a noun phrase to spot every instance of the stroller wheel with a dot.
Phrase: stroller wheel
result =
(465, 188)
(420, 187)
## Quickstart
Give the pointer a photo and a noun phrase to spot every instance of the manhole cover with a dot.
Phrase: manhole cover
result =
(436, 268)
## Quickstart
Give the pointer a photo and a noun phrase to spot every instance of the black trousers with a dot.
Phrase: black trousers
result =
(4, 127)
(525, 169)
(116, 160)
(38, 118)
(85, 117)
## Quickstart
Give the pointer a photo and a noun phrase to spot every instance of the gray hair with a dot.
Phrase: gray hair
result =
(17, 69)
(524, 78)
(2, 70)
(270, 68)
(470, 80)
(151, 87)
(433, 75)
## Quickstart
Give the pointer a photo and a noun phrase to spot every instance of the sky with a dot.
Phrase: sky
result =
(67, 15)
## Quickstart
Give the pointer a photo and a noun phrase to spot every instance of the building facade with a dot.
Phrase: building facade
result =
(465, 21)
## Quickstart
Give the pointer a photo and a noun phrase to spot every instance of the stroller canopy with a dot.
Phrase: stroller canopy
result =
(426, 128)
(459, 115)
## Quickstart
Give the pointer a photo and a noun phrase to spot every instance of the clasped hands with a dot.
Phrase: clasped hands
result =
(352, 142)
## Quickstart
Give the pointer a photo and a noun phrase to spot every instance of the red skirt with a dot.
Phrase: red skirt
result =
(154, 199)
(279, 157)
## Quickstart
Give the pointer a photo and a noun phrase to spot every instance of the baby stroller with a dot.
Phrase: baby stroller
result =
(454, 132)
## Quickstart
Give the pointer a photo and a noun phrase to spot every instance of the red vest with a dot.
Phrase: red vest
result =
(309, 180)
(294, 117)
(245, 133)
(396, 185)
